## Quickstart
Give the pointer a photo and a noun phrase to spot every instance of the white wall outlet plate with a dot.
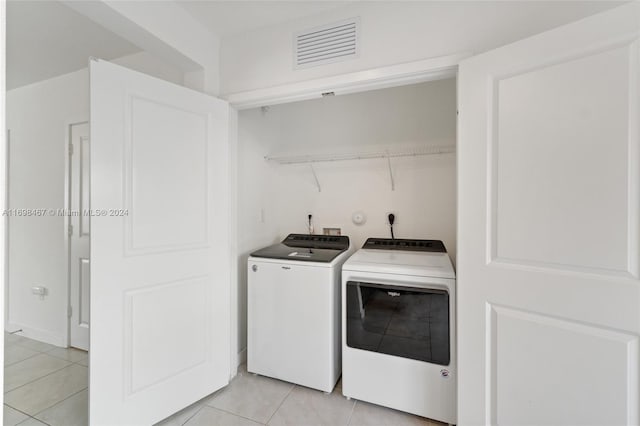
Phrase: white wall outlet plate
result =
(39, 291)
(331, 231)
(359, 218)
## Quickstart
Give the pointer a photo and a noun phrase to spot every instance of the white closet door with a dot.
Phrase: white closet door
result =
(79, 235)
(160, 262)
(549, 216)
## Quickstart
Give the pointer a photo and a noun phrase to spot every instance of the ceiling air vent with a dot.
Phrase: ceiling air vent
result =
(328, 43)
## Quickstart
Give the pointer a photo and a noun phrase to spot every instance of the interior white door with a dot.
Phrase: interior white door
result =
(549, 215)
(160, 263)
(79, 185)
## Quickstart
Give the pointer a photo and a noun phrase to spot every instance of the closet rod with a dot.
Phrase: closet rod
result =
(428, 150)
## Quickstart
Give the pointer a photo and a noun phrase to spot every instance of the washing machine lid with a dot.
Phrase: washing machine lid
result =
(306, 248)
(426, 258)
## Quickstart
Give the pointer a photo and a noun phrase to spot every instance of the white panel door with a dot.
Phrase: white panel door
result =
(160, 263)
(79, 159)
(549, 215)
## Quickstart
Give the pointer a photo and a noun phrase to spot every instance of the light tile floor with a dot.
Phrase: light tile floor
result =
(43, 384)
(256, 400)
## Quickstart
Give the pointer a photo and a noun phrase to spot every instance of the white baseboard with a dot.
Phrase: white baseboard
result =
(37, 334)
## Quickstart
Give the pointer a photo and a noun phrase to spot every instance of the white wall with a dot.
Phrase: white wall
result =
(37, 116)
(150, 64)
(425, 186)
(393, 33)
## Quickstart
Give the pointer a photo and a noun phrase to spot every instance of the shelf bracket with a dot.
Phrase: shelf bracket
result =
(393, 185)
(315, 176)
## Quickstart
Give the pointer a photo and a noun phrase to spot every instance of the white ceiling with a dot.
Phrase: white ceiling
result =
(46, 39)
(225, 18)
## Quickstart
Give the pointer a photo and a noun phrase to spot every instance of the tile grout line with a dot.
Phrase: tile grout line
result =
(53, 347)
(75, 362)
(281, 402)
(202, 405)
(9, 344)
(241, 416)
(233, 414)
(57, 403)
(29, 357)
(51, 406)
(194, 414)
(353, 408)
(31, 417)
(41, 377)
(47, 352)
(46, 408)
(37, 350)
(19, 411)
(64, 359)
(36, 353)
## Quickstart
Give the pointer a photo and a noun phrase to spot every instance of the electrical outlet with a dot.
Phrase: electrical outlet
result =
(395, 217)
(331, 231)
(39, 291)
(310, 220)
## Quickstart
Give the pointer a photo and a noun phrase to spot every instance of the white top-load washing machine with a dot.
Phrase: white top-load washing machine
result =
(294, 310)
(398, 327)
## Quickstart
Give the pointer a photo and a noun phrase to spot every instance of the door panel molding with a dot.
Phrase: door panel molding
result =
(84, 182)
(631, 258)
(139, 354)
(194, 214)
(625, 345)
(84, 265)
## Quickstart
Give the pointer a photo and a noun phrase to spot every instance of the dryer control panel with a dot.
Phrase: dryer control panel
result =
(405, 244)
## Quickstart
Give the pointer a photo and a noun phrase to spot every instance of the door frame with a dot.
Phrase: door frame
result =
(403, 74)
(3, 173)
(425, 70)
(6, 223)
(75, 121)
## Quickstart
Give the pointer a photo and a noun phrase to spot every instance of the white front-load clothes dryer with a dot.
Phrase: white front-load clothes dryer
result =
(398, 327)
(293, 310)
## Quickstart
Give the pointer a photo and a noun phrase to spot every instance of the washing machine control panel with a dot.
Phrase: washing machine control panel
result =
(333, 242)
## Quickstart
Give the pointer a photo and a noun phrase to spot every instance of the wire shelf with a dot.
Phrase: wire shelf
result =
(301, 159)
